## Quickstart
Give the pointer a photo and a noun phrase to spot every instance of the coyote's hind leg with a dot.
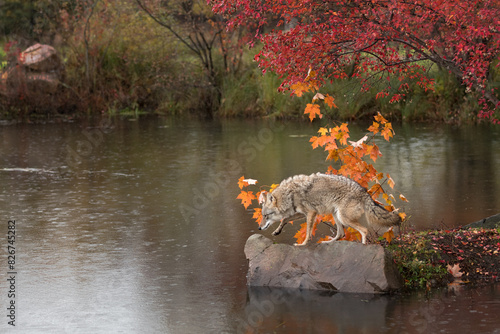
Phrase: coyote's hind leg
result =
(311, 216)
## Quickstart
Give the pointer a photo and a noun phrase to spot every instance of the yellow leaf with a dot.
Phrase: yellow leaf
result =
(379, 118)
(299, 88)
(257, 214)
(323, 131)
(342, 137)
(402, 215)
(246, 198)
(390, 181)
(387, 132)
(313, 110)
(242, 182)
(389, 235)
(374, 128)
(344, 128)
(401, 197)
(329, 101)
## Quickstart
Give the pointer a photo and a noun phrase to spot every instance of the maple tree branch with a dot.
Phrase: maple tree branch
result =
(168, 26)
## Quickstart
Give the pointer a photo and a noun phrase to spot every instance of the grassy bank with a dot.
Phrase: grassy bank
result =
(437, 258)
(127, 79)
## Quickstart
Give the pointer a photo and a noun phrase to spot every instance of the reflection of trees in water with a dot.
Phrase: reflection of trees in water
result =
(448, 174)
(471, 162)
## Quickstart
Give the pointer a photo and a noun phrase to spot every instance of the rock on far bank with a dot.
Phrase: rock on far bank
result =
(341, 266)
(490, 222)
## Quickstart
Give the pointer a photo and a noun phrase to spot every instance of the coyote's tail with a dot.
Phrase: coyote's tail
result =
(379, 216)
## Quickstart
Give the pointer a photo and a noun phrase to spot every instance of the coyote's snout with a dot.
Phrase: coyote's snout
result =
(345, 199)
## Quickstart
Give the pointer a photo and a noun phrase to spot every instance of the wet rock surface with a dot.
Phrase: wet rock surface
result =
(339, 266)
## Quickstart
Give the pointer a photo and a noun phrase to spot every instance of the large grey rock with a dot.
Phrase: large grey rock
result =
(339, 266)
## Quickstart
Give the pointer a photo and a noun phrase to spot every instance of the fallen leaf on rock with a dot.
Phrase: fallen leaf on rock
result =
(455, 270)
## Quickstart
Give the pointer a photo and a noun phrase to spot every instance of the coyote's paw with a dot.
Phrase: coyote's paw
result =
(302, 244)
(276, 232)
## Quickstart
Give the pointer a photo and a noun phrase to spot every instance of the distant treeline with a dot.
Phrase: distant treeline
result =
(177, 58)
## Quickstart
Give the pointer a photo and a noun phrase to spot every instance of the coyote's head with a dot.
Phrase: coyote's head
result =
(270, 212)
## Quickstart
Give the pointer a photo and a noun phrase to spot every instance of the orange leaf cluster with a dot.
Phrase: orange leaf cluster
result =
(311, 84)
(300, 236)
(351, 235)
(383, 126)
(247, 197)
(353, 164)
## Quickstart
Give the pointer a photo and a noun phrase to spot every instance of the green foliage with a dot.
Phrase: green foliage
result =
(17, 17)
(253, 94)
(119, 59)
(33, 20)
(3, 59)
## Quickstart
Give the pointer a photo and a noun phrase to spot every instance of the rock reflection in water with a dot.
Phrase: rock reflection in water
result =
(453, 310)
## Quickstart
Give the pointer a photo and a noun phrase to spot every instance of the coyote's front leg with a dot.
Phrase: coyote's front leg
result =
(280, 228)
(285, 221)
(311, 216)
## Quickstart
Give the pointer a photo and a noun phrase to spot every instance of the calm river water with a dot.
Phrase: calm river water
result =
(134, 227)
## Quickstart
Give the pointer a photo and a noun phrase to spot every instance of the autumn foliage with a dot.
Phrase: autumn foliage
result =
(375, 41)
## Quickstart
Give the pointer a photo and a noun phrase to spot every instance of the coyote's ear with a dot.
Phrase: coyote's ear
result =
(272, 199)
(263, 197)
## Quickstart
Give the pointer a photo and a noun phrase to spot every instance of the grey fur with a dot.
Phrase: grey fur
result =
(309, 195)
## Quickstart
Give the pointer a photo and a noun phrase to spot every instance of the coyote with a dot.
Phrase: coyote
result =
(345, 199)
